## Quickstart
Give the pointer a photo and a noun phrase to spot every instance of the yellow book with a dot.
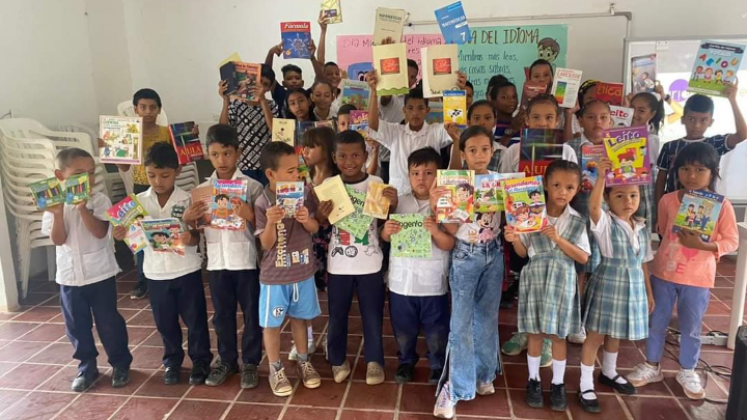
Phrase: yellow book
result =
(284, 130)
(332, 11)
(390, 61)
(376, 205)
(455, 107)
(230, 58)
(333, 189)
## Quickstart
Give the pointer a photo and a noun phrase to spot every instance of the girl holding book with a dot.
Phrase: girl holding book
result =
(322, 97)
(298, 105)
(541, 71)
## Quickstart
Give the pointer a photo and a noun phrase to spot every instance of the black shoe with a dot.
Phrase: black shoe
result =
(627, 388)
(200, 372)
(140, 291)
(120, 377)
(435, 376)
(591, 406)
(404, 374)
(558, 398)
(249, 376)
(534, 394)
(82, 382)
(220, 373)
(172, 375)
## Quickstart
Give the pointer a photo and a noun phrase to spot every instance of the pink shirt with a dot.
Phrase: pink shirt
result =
(691, 267)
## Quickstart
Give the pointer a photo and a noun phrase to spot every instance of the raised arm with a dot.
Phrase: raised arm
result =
(320, 52)
(597, 193)
(275, 50)
(373, 104)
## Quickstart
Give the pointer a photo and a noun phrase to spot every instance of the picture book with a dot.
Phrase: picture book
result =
(716, 64)
(621, 116)
(333, 189)
(186, 142)
(413, 241)
(77, 189)
(440, 65)
(389, 26)
(436, 113)
(203, 195)
(332, 11)
(488, 191)
(296, 38)
(699, 212)
(376, 205)
(356, 223)
(47, 193)
(241, 79)
(455, 107)
(123, 140)
(359, 122)
(391, 63)
(357, 71)
(612, 93)
(128, 213)
(539, 148)
(530, 91)
(284, 130)
(453, 23)
(164, 235)
(457, 206)
(643, 73)
(590, 155)
(289, 196)
(626, 148)
(356, 93)
(227, 194)
(525, 204)
(565, 86)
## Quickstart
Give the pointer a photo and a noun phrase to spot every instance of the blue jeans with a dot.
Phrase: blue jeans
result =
(476, 282)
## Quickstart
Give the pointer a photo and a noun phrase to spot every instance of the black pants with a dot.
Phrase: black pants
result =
(408, 314)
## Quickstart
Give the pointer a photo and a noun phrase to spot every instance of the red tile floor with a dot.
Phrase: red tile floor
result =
(36, 370)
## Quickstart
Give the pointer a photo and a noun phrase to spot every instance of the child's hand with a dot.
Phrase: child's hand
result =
(627, 99)
(244, 210)
(430, 224)
(82, 205)
(660, 90)
(373, 144)
(510, 235)
(651, 303)
(461, 80)
(372, 79)
(390, 193)
(57, 210)
(388, 41)
(102, 143)
(274, 215)
(731, 90)
(453, 131)
(690, 239)
(302, 215)
(196, 130)
(392, 227)
(517, 123)
(323, 21)
(437, 193)
(605, 165)
(119, 233)
(258, 92)
(222, 89)
(194, 212)
(325, 209)
(312, 49)
(277, 49)
(550, 232)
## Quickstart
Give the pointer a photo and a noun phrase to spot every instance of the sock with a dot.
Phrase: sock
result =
(310, 333)
(609, 366)
(534, 367)
(558, 371)
(587, 381)
(277, 366)
(303, 357)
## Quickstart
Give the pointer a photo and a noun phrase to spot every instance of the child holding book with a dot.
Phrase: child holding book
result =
(542, 71)
(684, 270)
(648, 111)
(481, 113)
(85, 272)
(298, 105)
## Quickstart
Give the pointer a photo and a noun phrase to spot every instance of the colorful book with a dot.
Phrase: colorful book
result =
(699, 212)
(284, 130)
(565, 86)
(643, 73)
(357, 71)
(227, 194)
(77, 189)
(488, 191)
(413, 240)
(453, 23)
(186, 142)
(716, 64)
(440, 65)
(626, 148)
(375, 204)
(47, 193)
(539, 148)
(621, 116)
(290, 197)
(356, 223)
(356, 93)
(241, 79)
(524, 199)
(296, 38)
(457, 206)
(203, 194)
(391, 63)
(455, 107)
(436, 112)
(359, 122)
(389, 25)
(333, 189)
(530, 91)
(128, 213)
(164, 235)
(612, 93)
(590, 156)
(332, 11)
(123, 140)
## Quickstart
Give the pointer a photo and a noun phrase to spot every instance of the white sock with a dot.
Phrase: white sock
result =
(587, 381)
(310, 334)
(609, 366)
(534, 367)
(558, 371)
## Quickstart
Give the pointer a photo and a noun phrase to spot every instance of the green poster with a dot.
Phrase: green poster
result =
(356, 223)
(413, 241)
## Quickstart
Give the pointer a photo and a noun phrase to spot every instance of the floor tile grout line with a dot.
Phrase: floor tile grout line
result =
(624, 407)
(236, 398)
(349, 383)
(398, 401)
(508, 392)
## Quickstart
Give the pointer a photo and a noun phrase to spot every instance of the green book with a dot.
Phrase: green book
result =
(413, 241)
(356, 223)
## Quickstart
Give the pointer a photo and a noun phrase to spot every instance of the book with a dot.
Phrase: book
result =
(241, 79)
(565, 86)
(203, 194)
(590, 156)
(389, 25)
(359, 122)
(612, 93)
(455, 107)
(524, 199)
(77, 189)
(699, 212)
(356, 223)
(356, 93)
(539, 148)
(440, 66)
(436, 112)
(128, 213)
(290, 197)
(626, 148)
(227, 194)
(332, 11)
(530, 91)
(488, 191)
(284, 130)
(296, 38)
(47, 193)
(123, 140)
(391, 63)
(186, 142)
(453, 23)
(164, 235)
(457, 206)
(716, 64)
(233, 57)
(333, 189)
(375, 204)
(621, 116)
(413, 241)
(643, 73)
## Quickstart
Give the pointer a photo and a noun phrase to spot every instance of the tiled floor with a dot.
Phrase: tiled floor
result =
(36, 370)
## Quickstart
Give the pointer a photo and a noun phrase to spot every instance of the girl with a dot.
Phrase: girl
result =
(481, 113)
(618, 296)
(648, 111)
(298, 105)
(541, 71)
(684, 271)
(547, 298)
(322, 97)
(505, 101)
(572, 116)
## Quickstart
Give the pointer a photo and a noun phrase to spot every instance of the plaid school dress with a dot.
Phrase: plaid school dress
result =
(615, 299)
(548, 302)
(646, 207)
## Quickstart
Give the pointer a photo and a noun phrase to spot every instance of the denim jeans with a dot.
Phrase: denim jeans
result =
(476, 282)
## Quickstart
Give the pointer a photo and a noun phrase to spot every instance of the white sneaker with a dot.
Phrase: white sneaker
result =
(486, 388)
(690, 382)
(374, 374)
(279, 383)
(579, 337)
(293, 355)
(444, 408)
(645, 374)
(340, 373)
(309, 375)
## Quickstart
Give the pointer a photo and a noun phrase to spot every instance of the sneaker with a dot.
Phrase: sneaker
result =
(534, 394)
(249, 376)
(309, 375)
(435, 376)
(645, 374)
(404, 374)
(293, 355)
(374, 374)
(340, 373)
(140, 291)
(279, 383)
(220, 373)
(172, 375)
(690, 382)
(516, 345)
(558, 397)
(485, 388)
(120, 377)
(444, 408)
(578, 338)
(200, 372)
(82, 382)
(546, 358)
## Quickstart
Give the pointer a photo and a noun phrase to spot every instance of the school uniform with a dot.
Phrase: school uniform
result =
(581, 204)
(512, 156)
(393, 113)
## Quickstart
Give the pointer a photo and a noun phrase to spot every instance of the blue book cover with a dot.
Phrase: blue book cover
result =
(453, 23)
(296, 39)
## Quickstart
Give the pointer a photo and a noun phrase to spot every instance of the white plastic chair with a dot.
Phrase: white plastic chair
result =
(128, 110)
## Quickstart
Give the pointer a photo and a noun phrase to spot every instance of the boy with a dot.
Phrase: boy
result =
(292, 74)
(418, 288)
(697, 118)
(232, 263)
(470, 89)
(85, 272)
(174, 282)
(288, 267)
(354, 265)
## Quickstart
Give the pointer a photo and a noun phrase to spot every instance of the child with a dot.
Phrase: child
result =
(292, 74)
(547, 297)
(418, 287)
(85, 272)
(541, 71)
(481, 113)
(470, 92)
(175, 282)
(684, 270)
(571, 117)
(298, 105)
(617, 297)
(505, 100)
(343, 117)
(322, 95)
(288, 265)
(232, 263)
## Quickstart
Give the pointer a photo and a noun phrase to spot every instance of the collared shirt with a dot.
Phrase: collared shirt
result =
(670, 150)
(561, 223)
(249, 122)
(512, 156)
(602, 231)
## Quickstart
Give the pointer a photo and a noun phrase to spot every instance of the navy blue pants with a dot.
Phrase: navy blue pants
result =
(183, 296)
(227, 288)
(81, 305)
(370, 290)
(408, 315)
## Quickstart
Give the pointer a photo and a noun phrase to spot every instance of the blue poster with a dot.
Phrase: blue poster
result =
(453, 23)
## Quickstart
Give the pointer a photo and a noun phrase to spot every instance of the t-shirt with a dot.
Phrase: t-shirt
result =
(249, 122)
(484, 228)
(139, 177)
(669, 152)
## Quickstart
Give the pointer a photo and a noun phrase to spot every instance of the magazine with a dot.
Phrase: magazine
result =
(453, 23)
(123, 140)
(626, 148)
(389, 25)
(359, 122)
(227, 194)
(525, 204)
(333, 189)
(413, 241)
(530, 91)
(699, 212)
(716, 64)
(77, 189)
(643, 73)
(356, 223)
(284, 130)
(47, 193)
(590, 156)
(488, 191)
(457, 206)
(565, 86)
(455, 107)
(203, 194)
(296, 38)
(186, 142)
(612, 93)
(621, 116)
(376, 205)
(332, 11)
(440, 66)
(290, 197)
(164, 235)
(539, 148)
(436, 112)
(128, 213)
(391, 63)
(356, 93)
(241, 78)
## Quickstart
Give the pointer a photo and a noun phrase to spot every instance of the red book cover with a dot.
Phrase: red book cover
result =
(612, 93)
(531, 90)
(186, 142)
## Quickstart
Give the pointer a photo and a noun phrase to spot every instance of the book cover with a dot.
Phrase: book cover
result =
(128, 213)
(356, 93)
(123, 140)
(626, 148)
(716, 64)
(643, 73)
(530, 91)
(203, 194)
(612, 93)
(699, 212)
(226, 195)
(356, 223)
(488, 191)
(284, 130)
(590, 156)
(453, 23)
(458, 205)
(565, 86)
(440, 65)
(455, 107)
(375, 204)
(164, 235)
(357, 71)
(233, 57)
(186, 142)
(391, 63)
(296, 38)
(621, 116)
(359, 122)
(524, 199)
(539, 148)
(47, 193)
(413, 241)
(77, 189)
(332, 11)
(241, 78)
(436, 112)
(389, 25)
(290, 197)
(333, 189)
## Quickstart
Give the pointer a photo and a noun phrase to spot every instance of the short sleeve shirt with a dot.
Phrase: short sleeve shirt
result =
(670, 150)
(249, 122)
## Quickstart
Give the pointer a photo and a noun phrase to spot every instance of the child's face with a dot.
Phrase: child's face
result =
(470, 96)
(322, 96)
(709, 71)
(624, 200)
(77, 166)
(292, 79)
(595, 120)
(224, 159)
(298, 104)
(415, 112)
(543, 115)
(332, 74)
(350, 159)
(160, 239)
(314, 155)
(462, 194)
(694, 176)
(222, 203)
(541, 74)
(161, 179)
(412, 76)
(477, 152)
(642, 113)
(148, 109)
(287, 170)
(590, 94)
(484, 117)
(696, 124)
(506, 101)
(421, 179)
(522, 216)
(561, 187)
(343, 122)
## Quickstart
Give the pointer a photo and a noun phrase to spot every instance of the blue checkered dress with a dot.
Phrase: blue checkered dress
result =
(647, 206)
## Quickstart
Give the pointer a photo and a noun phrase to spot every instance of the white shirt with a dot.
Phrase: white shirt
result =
(512, 156)
(484, 228)
(561, 223)
(83, 258)
(167, 265)
(419, 276)
(602, 231)
(332, 114)
(395, 111)
(233, 249)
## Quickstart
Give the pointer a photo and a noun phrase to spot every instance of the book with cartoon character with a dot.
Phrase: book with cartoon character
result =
(626, 148)
(128, 213)
(440, 65)
(227, 194)
(612, 93)
(356, 93)
(290, 197)
(376, 205)
(356, 223)
(457, 206)
(699, 212)
(241, 78)
(284, 130)
(643, 73)
(488, 191)
(524, 200)
(716, 64)
(455, 107)
(47, 193)
(539, 148)
(123, 140)
(590, 156)
(413, 241)
(296, 38)
(359, 123)
(390, 61)
(186, 142)
(621, 116)
(164, 235)
(333, 189)
(77, 188)
(332, 11)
